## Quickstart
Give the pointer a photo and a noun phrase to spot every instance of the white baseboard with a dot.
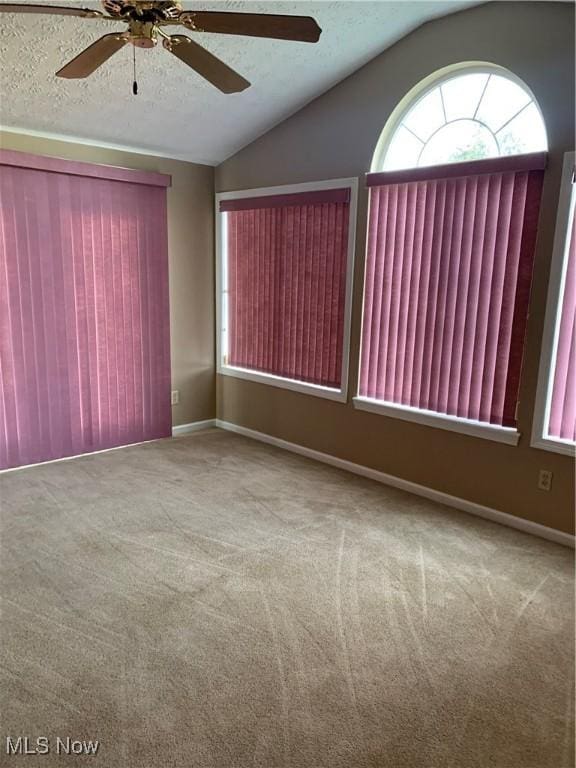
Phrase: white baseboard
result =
(195, 426)
(527, 526)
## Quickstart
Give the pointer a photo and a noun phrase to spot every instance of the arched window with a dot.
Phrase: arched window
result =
(472, 113)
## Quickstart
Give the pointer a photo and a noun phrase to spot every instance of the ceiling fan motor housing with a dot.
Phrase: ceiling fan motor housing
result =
(150, 11)
(142, 34)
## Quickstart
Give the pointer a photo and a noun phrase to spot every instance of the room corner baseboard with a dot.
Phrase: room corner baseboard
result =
(194, 426)
(511, 521)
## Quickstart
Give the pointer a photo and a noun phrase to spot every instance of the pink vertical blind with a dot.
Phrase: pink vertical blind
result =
(84, 323)
(287, 260)
(562, 422)
(447, 285)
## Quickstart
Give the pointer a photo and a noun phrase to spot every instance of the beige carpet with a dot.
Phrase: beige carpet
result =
(210, 602)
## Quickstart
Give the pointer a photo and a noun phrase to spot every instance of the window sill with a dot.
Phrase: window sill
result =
(557, 446)
(440, 421)
(294, 385)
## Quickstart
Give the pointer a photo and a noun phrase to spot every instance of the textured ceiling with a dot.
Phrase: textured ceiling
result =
(177, 113)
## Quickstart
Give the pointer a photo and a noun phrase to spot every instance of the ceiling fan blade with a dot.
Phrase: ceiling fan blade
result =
(60, 10)
(303, 28)
(210, 67)
(92, 57)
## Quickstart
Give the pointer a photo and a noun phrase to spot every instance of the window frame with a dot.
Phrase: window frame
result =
(224, 369)
(494, 432)
(554, 297)
(426, 86)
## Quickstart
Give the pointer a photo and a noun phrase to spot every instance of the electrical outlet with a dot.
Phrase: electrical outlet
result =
(545, 480)
(175, 397)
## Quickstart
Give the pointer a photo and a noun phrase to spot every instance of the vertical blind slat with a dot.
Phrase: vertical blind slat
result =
(339, 302)
(373, 326)
(441, 297)
(406, 283)
(415, 279)
(479, 216)
(317, 276)
(562, 419)
(383, 319)
(428, 215)
(456, 360)
(454, 254)
(448, 273)
(430, 302)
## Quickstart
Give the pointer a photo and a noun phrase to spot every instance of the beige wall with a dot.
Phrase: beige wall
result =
(191, 263)
(335, 136)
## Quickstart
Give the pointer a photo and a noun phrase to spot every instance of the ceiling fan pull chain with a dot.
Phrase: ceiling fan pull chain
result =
(134, 84)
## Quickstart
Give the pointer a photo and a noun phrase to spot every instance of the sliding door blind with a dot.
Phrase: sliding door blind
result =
(447, 285)
(562, 422)
(84, 325)
(286, 284)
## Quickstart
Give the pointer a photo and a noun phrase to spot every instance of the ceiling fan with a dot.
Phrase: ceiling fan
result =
(146, 20)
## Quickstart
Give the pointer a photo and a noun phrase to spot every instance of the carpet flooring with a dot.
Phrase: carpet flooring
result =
(212, 602)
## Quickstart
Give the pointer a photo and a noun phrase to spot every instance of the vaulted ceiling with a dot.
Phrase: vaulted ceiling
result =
(177, 113)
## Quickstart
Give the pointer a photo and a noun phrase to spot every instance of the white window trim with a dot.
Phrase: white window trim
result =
(340, 395)
(558, 265)
(481, 429)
